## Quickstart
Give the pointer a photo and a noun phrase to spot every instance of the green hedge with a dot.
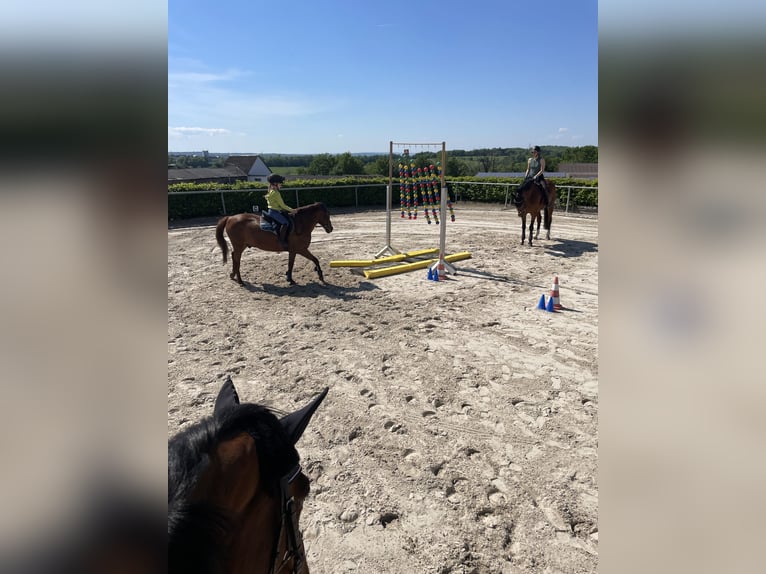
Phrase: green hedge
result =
(496, 193)
(243, 195)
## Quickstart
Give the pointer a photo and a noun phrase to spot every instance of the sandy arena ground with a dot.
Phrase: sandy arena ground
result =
(460, 432)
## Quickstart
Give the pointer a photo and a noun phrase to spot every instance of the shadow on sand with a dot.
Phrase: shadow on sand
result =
(314, 290)
(569, 248)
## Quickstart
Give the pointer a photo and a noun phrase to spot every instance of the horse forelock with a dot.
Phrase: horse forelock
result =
(196, 528)
(189, 451)
(276, 453)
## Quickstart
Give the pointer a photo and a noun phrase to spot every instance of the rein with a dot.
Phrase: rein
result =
(288, 528)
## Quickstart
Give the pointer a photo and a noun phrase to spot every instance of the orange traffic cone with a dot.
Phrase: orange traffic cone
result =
(555, 294)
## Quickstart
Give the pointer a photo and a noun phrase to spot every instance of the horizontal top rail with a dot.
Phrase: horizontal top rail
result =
(396, 183)
(417, 143)
(247, 189)
(509, 183)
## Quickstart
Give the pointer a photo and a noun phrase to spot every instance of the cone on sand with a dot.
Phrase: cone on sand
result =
(555, 294)
(549, 307)
(541, 303)
(430, 274)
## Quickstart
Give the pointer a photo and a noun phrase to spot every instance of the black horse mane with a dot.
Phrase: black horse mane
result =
(196, 528)
(517, 199)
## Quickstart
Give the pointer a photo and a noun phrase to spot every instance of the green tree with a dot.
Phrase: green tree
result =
(456, 167)
(322, 164)
(378, 167)
(347, 164)
(584, 154)
(488, 163)
(589, 154)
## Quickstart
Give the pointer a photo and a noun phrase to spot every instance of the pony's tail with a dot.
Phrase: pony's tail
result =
(219, 237)
(551, 202)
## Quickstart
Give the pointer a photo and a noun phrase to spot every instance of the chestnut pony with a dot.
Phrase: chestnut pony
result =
(236, 490)
(528, 199)
(244, 230)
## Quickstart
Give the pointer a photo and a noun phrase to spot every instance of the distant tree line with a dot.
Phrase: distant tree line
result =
(188, 161)
(459, 162)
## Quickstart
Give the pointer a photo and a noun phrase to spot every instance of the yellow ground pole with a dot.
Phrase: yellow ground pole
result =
(389, 259)
(384, 271)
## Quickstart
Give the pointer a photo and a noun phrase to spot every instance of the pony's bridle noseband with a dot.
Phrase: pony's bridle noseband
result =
(289, 528)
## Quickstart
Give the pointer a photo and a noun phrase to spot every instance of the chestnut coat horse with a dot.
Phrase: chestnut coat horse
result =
(244, 230)
(236, 491)
(528, 199)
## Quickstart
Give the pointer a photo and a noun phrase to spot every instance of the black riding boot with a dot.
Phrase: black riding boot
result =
(282, 235)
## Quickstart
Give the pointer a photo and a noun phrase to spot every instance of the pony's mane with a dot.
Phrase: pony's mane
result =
(517, 198)
(196, 528)
(312, 206)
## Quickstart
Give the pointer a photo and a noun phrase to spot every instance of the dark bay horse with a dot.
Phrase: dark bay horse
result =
(236, 490)
(528, 199)
(244, 230)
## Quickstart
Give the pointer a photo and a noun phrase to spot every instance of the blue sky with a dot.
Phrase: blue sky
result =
(348, 75)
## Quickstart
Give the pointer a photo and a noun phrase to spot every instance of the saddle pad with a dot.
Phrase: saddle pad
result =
(267, 226)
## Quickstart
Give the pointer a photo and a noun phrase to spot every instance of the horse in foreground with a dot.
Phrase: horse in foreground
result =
(236, 490)
(528, 199)
(248, 230)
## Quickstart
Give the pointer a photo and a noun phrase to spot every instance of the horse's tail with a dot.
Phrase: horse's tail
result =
(219, 237)
(549, 208)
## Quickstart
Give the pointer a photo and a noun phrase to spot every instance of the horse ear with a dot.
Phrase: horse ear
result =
(295, 423)
(227, 397)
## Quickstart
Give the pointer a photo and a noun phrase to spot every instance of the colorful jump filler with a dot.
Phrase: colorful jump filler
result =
(402, 199)
(421, 185)
(449, 203)
(408, 197)
(412, 190)
(421, 191)
(434, 197)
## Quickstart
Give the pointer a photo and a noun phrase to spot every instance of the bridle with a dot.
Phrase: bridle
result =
(289, 529)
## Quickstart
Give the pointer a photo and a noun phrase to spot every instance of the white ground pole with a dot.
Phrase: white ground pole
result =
(441, 267)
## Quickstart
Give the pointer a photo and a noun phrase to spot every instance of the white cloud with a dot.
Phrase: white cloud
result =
(200, 95)
(193, 131)
(187, 79)
(563, 130)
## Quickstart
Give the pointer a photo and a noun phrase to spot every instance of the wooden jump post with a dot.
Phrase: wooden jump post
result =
(441, 266)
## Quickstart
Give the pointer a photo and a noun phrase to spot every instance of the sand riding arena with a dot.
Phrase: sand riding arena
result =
(460, 430)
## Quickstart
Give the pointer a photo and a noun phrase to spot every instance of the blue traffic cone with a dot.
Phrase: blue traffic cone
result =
(436, 274)
(430, 274)
(549, 308)
(541, 303)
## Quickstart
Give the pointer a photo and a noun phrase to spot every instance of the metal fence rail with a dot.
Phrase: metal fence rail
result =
(455, 186)
(508, 187)
(297, 191)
